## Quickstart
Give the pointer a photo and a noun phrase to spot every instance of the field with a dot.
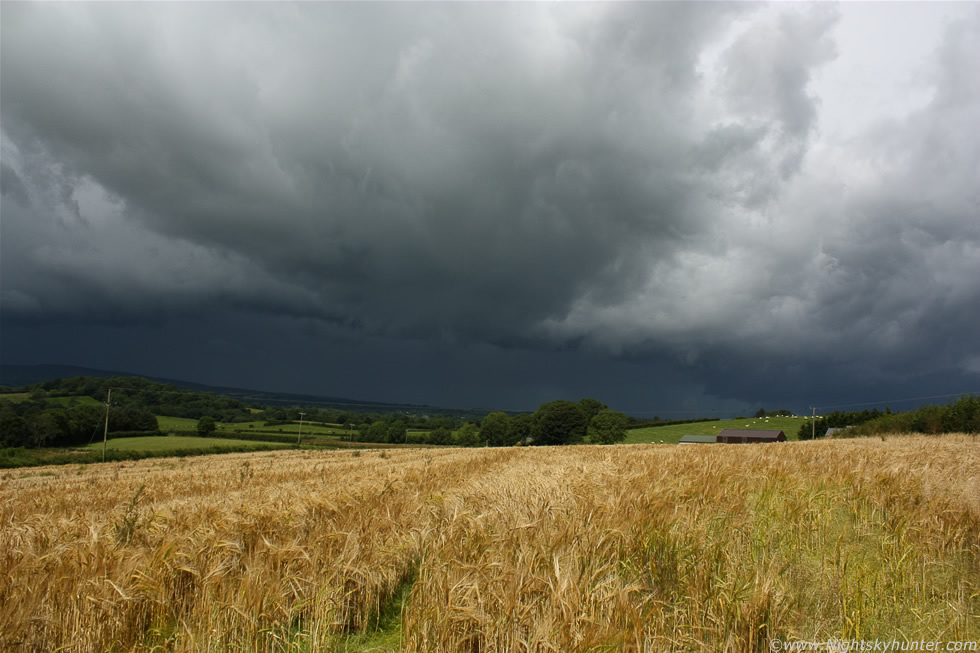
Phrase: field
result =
(175, 442)
(185, 424)
(673, 433)
(634, 548)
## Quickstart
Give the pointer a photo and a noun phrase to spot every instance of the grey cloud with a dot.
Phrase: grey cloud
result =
(765, 77)
(554, 177)
(768, 68)
(11, 185)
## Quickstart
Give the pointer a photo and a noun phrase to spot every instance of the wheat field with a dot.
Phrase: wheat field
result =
(633, 548)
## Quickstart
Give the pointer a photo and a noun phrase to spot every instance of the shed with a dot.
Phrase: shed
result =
(742, 436)
(699, 439)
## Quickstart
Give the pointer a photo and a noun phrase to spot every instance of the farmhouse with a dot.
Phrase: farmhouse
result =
(699, 439)
(742, 436)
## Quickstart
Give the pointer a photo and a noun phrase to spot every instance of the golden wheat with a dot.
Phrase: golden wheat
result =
(636, 548)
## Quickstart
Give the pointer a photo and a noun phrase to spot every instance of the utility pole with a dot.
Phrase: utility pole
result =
(813, 423)
(300, 436)
(105, 432)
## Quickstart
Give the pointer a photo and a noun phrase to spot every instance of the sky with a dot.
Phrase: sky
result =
(677, 208)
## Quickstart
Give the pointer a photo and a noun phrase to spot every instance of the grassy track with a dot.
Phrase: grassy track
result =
(672, 434)
(621, 548)
(175, 442)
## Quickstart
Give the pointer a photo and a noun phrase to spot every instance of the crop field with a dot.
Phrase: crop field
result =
(585, 548)
(673, 433)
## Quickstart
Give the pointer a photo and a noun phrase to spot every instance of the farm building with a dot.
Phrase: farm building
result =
(699, 439)
(742, 436)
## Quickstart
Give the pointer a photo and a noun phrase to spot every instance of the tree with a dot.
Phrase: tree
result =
(468, 436)
(590, 408)
(377, 432)
(521, 428)
(397, 432)
(559, 422)
(131, 417)
(441, 435)
(206, 425)
(42, 429)
(609, 427)
(495, 430)
(12, 426)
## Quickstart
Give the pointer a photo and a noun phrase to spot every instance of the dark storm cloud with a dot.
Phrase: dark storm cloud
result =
(637, 179)
(463, 168)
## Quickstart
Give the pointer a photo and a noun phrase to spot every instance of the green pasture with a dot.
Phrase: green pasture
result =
(672, 434)
(15, 397)
(175, 442)
(187, 424)
(174, 424)
(309, 428)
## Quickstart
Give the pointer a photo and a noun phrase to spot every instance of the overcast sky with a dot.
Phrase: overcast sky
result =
(677, 208)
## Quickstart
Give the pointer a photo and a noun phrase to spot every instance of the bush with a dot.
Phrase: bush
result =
(206, 425)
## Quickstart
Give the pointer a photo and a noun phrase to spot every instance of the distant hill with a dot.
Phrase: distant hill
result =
(16, 376)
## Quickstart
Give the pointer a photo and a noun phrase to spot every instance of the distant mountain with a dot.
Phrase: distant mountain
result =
(15, 376)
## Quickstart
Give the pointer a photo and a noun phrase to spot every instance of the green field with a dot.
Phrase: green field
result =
(186, 424)
(175, 442)
(672, 434)
(174, 424)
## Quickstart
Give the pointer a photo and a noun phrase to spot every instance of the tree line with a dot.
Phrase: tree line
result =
(38, 423)
(960, 416)
(158, 398)
(553, 423)
(56, 414)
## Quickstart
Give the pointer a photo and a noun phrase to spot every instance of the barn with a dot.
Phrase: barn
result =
(743, 436)
(699, 439)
